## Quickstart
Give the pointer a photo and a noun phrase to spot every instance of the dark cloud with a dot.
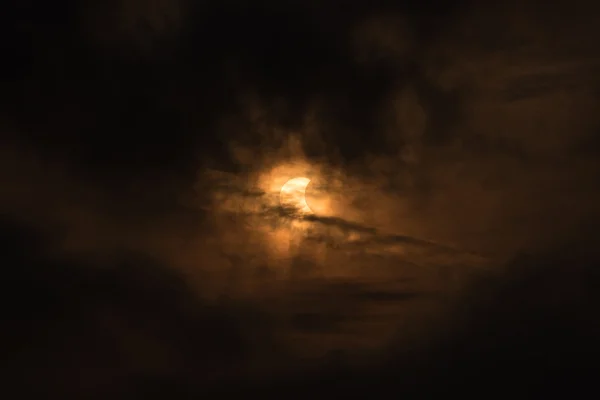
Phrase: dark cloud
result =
(533, 329)
(144, 144)
(127, 316)
(146, 78)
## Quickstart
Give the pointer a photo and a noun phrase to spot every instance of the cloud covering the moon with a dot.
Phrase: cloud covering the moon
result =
(436, 148)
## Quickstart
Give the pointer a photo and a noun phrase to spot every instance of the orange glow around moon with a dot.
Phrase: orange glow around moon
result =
(293, 195)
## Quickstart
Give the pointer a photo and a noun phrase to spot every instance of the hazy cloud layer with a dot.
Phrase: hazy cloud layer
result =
(435, 140)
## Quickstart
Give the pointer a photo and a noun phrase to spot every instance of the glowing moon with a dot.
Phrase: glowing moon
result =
(293, 195)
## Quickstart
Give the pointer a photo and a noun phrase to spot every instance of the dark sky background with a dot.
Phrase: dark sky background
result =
(444, 124)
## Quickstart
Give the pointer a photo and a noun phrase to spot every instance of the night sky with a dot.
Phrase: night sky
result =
(450, 244)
